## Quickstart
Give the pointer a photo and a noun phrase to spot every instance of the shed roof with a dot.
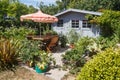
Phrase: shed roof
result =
(80, 11)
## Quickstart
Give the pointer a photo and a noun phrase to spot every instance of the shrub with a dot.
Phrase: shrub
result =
(63, 40)
(108, 42)
(82, 44)
(73, 58)
(31, 53)
(29, 50)
(17, 33)
(72, 36)
(9, 53)
(104, 66)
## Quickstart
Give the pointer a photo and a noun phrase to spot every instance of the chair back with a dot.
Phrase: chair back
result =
(54, 41)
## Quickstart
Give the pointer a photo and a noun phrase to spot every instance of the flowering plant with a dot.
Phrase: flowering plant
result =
(42, 65)
(44, 60)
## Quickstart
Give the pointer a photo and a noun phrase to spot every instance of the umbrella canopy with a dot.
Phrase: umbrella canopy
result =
(39, 17)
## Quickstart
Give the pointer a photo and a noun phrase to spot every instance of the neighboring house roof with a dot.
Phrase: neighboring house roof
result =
(80, 11)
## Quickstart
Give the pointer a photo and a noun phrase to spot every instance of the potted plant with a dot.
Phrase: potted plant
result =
(72, 38)
(41, 67)
(43, 62)
(63, 40)
(29, 50)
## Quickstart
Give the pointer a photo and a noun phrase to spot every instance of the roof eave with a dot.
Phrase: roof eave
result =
(80, 11)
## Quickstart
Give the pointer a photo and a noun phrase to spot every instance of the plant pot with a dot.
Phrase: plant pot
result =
(72, 46)
(38, 70)
(28, 63)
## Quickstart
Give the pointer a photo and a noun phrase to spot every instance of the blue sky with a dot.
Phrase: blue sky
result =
(36, 2)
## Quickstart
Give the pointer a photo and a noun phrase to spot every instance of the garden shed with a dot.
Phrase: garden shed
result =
(76, 19)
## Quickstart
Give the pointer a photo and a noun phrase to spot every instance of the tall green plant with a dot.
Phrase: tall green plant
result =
(29, 50)
(17, 33)
(63, 40)
(72, 36)
(9, 53)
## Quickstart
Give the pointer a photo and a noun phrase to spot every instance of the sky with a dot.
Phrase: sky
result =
(36, 2)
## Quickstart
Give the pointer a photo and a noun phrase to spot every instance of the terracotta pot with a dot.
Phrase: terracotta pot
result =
(72, 46)
(29, 64)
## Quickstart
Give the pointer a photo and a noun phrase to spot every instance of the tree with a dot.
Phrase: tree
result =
(92, 5)
(31, 9)
(109, 22)
(11, 10)
(3, 8)
(49, 9)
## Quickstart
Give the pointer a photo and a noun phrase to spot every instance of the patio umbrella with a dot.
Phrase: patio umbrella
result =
(39, 17)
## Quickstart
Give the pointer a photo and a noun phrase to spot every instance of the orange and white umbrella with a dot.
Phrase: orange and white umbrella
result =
(39, 17)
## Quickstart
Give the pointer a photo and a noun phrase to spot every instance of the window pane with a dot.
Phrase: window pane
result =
(86, 24)
(60, 23)
(75, 23)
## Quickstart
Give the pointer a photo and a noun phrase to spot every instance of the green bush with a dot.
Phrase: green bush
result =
(63, 40)
(72, 36)
(82, 44)
(109, 23)
(29, 50)
(73, 59)
(16, 33)
(104, 66)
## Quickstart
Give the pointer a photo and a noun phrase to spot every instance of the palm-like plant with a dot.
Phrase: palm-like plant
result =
(9, 53)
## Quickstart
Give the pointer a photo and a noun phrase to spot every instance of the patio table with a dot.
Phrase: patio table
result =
(45, 40)
(43, 37)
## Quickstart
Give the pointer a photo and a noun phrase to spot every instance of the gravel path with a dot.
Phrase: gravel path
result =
(57, 73)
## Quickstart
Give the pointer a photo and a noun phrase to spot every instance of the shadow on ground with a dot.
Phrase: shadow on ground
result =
(59, 49)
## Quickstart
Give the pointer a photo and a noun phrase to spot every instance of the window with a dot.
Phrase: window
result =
(86, 24)
(60, 23)
(75, 23)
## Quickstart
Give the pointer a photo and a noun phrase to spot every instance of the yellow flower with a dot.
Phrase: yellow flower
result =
(41, 65)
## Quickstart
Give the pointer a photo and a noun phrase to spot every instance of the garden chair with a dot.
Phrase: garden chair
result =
(44, 44)
(53, 43)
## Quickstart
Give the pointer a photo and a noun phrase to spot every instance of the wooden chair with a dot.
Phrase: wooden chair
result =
(53, 43)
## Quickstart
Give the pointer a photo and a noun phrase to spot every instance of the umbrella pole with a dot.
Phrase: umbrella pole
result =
(40, 29)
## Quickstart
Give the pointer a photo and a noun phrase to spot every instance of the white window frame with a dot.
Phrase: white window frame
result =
(86, 24)
(75, 23)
